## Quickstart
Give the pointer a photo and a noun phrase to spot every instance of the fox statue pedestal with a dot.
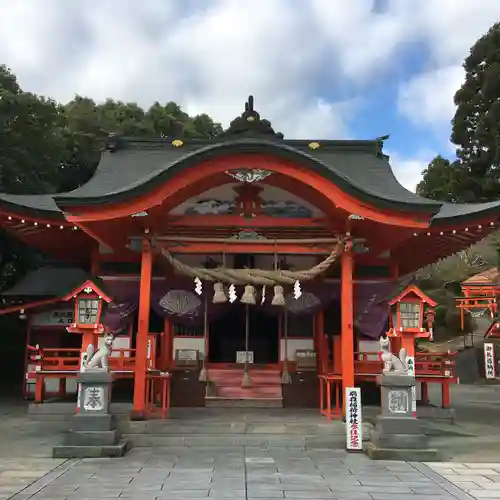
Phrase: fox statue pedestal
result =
(398, 434)
(93, 432)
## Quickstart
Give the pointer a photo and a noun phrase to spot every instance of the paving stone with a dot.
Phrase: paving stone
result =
(432, 489)
(263, 493)
(182, 494)
(227, 493)
(487, 486)
(390, 496)
(466, 485)
(477, 472)
(484, 494)
(311, 494)
(250, 473)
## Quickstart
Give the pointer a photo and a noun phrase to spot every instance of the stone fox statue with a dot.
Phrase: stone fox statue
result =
(98, 360)
(392, 363)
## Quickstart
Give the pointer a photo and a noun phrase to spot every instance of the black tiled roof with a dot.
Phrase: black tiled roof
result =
(48, 282)
(353, 165)
(450, 212)
(42, 205)
(135, 166)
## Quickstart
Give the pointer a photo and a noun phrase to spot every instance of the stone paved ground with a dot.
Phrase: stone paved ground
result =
(241, 473)
(481, 480)
(27, 472)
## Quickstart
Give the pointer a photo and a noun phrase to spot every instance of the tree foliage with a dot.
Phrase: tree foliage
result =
(442, 282)
(476, 124)
(48, 147)
(475, 175)
(442, 181)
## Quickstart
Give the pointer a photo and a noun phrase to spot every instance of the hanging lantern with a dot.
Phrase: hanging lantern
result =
(219, 294)
(279, 297)
(248, 296)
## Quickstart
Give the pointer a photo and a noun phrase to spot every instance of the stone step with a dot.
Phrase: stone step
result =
(56, 408)
(245, 402)
(173, 427)
(107, 451)
(218, 441)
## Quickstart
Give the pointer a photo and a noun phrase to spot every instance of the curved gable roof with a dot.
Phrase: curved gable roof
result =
(352, 165)
(134, 166)
(41, 205)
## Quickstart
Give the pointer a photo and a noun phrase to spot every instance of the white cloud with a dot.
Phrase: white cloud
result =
(449, 28)
(209, 56)
(208, 60)
(427, 99)
(408, 171)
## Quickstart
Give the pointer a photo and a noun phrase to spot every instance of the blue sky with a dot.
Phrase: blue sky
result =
(319, 69)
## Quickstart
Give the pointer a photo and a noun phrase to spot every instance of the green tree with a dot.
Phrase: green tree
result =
(31, 139)
(476, 124)
(48, 147)
(206, 127)
(475, 176)
(442, 180)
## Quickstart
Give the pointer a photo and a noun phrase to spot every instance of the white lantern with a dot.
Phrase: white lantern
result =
(88, 310)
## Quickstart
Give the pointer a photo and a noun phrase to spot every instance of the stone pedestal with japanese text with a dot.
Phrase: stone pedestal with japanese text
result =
(398, 434)
(93, 431)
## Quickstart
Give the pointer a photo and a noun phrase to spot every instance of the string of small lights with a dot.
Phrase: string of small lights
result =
(455, 231)
(34, 223)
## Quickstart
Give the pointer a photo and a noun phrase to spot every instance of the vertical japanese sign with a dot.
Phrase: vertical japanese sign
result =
(489, 361)
(79, 391)
(410, 362)
(353, 419)
(150, 361)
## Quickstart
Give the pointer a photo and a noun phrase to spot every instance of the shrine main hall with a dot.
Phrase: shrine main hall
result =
(243, 268)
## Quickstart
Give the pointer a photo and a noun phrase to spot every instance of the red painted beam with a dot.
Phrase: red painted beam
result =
(30, 305)
(241, 222)
(243, 247)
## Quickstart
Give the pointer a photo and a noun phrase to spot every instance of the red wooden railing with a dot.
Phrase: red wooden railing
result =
(429, 368)
(65, 363)
(158, 394)
(61, 360)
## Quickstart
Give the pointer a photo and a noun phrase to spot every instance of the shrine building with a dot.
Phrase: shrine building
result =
(242, 268)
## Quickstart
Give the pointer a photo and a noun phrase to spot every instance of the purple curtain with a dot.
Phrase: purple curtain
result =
(175, 298)
(371, 308)
(121, 311)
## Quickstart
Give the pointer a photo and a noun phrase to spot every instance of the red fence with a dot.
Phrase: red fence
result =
(429, 368)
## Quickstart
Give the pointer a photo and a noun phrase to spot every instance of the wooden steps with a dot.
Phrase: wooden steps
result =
(265, 391)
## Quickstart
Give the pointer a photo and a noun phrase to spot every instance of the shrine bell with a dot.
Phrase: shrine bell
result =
(408, 311)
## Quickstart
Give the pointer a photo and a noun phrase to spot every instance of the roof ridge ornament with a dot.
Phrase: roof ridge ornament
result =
(380, 143)
(249, 123)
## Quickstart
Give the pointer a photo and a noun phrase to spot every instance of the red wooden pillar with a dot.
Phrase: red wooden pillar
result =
(26, 358)
(87, 339)
(141, 341)
(167, 345)
(319, 333)
(347, 321)
(337, 354)
(95, 260)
